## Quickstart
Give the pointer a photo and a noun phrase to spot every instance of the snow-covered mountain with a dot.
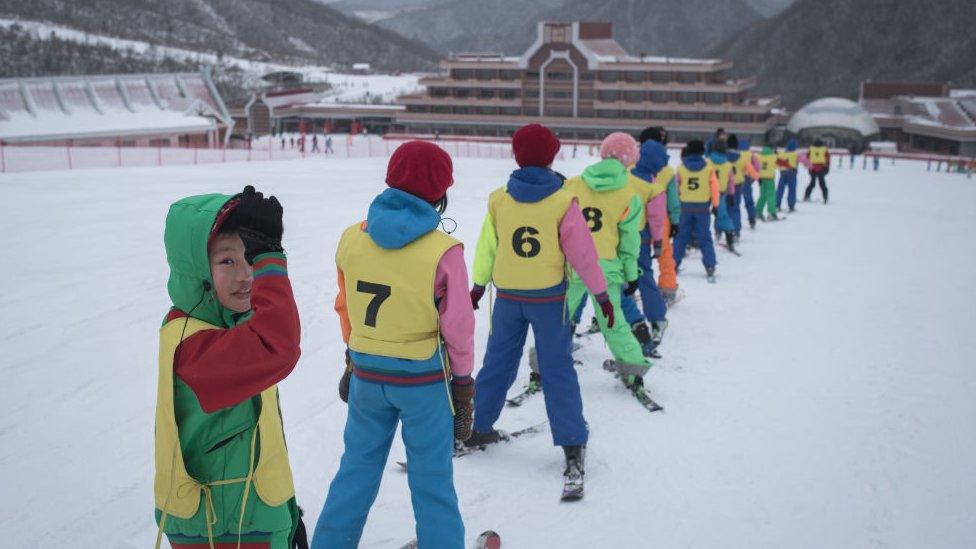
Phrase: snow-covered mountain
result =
(290, 31)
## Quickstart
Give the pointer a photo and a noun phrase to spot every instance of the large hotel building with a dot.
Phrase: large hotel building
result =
(579, 81)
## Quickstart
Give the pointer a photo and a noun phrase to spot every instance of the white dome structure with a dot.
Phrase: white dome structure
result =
(838, 121)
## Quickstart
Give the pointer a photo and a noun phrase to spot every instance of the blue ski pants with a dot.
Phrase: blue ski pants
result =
(428, 434)
(510, 323)
(787, 185)
(695, 219)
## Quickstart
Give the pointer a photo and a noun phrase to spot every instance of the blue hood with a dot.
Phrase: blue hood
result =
(743, 144)
(532, 184)
(397, 218)
(653, 157)
(718, 158)
(694, 162)
(791, 145)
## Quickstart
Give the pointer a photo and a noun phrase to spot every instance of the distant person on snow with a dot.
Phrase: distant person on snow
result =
(819, 158)
(767, 184)
(222, 467)
(696, 178)
(315, 143)
(328, 145)
(406, 317)
(533, 228)
(745, 170)
(787, 162)
(283, 143)
(668, 278)
(725, 192)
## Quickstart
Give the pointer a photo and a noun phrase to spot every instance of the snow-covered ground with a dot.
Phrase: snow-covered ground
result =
(821, 394)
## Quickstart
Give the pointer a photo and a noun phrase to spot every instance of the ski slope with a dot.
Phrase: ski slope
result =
(821, 394)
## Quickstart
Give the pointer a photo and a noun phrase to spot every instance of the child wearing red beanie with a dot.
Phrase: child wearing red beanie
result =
(533, 228)
(405, 347)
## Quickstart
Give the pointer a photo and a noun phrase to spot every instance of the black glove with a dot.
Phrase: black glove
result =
(259, 223)
(674, 230)
(463, 397)
(345, 379)
(714, 210)
(631, 287)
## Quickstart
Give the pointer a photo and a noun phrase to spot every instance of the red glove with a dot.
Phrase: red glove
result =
(476, 293)
(606, 307)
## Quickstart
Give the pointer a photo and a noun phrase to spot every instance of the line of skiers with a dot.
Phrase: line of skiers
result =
(406, 311)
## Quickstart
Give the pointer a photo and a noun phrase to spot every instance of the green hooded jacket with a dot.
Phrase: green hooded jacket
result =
(611, 175)
(215, 446)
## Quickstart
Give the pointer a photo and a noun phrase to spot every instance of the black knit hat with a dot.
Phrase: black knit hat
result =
(733, 141)
(654, 133)
(696, 146)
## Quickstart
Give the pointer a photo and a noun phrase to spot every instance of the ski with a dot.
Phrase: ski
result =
(645, 400)
(730, 250)
(622, 371)
(518, 399)
(488, 539)
(460, 450)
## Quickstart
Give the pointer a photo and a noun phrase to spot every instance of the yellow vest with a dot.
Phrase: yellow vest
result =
(529, 256)
(818, 155)
(695, 186)
(176, 492)
(767, 166)
(602, 211)
(789, 157)
(739, 168)
(390, 293)
(722, 173)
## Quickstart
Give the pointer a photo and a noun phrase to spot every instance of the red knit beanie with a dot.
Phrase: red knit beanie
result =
(534, 145)
(421, 169)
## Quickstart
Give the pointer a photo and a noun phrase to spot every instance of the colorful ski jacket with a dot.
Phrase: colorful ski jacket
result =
(405, 293)
(217, 400)
(613, 212)
(531, 223)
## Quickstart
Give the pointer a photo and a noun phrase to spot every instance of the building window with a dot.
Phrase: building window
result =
(532, 75)
(508, 94)
(484, 74)
(607, 95)
(440, 92)
(462, 93)
(510, 111)
(559, 111)
(634, 114)
(661, 97)
(440, 109)
(601, 113)
(634, 77)
(461, 74)
(163, 142)
(532, 93)
(508, 74)
(684, 115)
(416, 108)
(586, 94)
(660, 77)
(486, 93)
(609, 76)
(462, 110)
(713, 116)
(659, 115)
(586, 76)
(740, 117)
(486, 110)
(688, 77)
(714, 98)
(559, 94)
(585, 113)
(687, 98)
(556, 75)
(634, 96)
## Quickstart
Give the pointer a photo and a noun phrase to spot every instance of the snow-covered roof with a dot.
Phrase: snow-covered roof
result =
(833, 112)
(84, 107)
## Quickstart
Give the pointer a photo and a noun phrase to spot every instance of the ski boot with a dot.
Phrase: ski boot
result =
(594, 327)
(643, 335)
(573, 474)
(710, 274)
(738, 236)
(658, 327)
(730, 241)
(806, 198)
(752, 222)
(774, 217)
(480, 440)
(535, 382)
(792, 210)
